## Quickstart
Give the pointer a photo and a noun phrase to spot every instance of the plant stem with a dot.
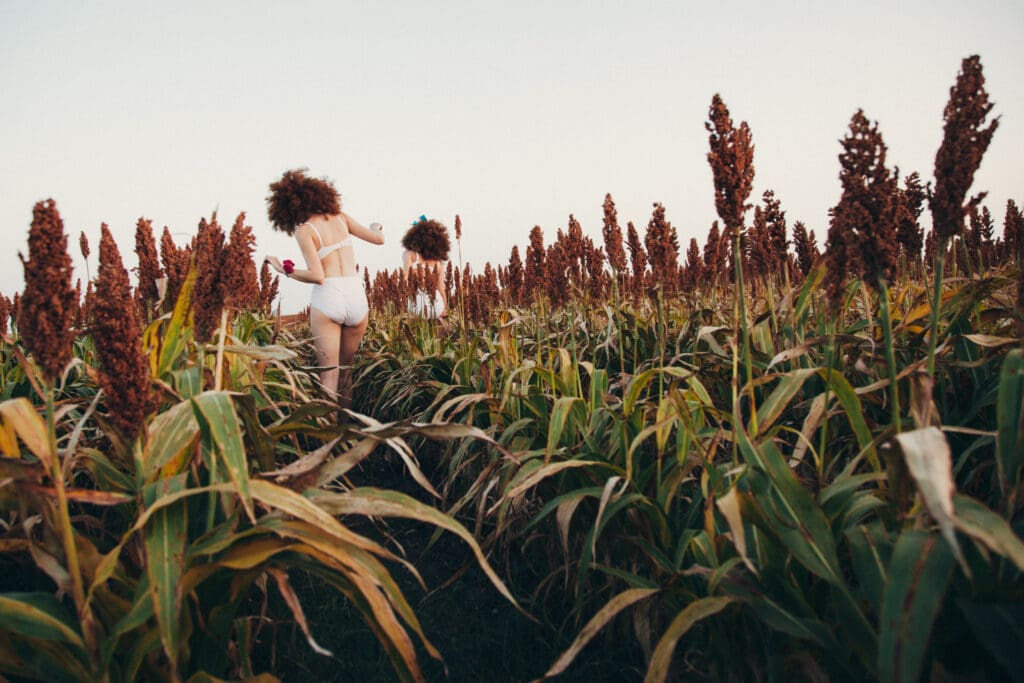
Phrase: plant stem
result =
(890, 353)
(67, 532)
(933, 332)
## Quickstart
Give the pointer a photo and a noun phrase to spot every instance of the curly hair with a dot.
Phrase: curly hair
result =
(429, 239)
(296, 197)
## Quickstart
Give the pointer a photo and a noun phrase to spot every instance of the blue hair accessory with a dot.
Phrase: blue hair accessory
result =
(420, 219)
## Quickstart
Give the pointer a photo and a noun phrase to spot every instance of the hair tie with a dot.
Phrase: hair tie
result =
(421, 219)
(288, 265)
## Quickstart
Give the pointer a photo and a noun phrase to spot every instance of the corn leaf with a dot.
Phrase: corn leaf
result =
(40, 616)
(596, 623)
(171, 435)
(20, 415)
(165, 538)
(918, 575)
(220, 424)
(376, 502)
(803, 527)
(930, 463)
(699, 609)
(989, 529)
(1010, 420)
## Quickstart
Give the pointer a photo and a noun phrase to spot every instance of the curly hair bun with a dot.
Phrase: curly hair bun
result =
(429, 239)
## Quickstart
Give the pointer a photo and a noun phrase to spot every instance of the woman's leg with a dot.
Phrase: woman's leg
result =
(327, 336)
(351, 335)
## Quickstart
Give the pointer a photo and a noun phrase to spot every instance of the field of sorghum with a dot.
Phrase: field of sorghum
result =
(754, 462)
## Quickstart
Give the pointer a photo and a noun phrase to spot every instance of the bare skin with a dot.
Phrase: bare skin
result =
(335, 344)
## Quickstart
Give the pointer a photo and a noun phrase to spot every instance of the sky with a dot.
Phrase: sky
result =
(510, 114)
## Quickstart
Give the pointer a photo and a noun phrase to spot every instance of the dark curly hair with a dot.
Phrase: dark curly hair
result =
(429, 239)
(296, 197)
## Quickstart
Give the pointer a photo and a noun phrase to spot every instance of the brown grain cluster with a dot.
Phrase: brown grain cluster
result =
(48, 306)
(176, 262)
(207, 300)
(732, 164)
(239, 283)
(862, 232)
(612, 234)
(662, 245)
(149, 270)
(964, 141)
(6, 307)
(124, 369)
(269, 287)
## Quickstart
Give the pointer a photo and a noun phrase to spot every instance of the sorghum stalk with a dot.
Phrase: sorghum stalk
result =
(890, 353)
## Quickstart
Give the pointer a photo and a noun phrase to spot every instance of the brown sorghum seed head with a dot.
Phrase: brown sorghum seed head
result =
(732, 163)
(964, 141)
(149, 263)
(124, 368)
(238, 281)
(47, 308)
(208, 259)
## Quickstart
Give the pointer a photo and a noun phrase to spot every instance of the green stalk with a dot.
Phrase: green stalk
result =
(745, 330)
(890, 353)
(829, 360)
(67, 532)
(933, 332)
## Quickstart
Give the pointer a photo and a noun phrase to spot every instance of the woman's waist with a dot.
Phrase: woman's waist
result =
(337, 278)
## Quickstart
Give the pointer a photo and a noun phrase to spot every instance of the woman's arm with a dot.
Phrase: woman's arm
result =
(408, 259)
(362, 232)
(313, 273)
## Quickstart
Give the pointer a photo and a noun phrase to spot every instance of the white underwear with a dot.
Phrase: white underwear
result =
(342, 299)
(427, 307)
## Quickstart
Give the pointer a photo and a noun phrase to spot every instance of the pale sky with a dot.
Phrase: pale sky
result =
(512, 114)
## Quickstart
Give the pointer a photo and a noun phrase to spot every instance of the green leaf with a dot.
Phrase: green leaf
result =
(559, 418)
(776, 403)
(988, 528)
(374, 502)
(852, 408)
(1010, 420)
(41, 616)
(803, 527)
(216, 414)
(918, 575)
(165, 538)
(171, 435)
(179, 330)
(999, 628)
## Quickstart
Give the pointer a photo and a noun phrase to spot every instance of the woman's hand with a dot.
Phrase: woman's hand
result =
(275, 263)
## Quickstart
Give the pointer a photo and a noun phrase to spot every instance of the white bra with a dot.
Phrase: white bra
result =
(328, 248)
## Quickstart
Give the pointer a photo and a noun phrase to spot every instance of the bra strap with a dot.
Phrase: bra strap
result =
(316, 232)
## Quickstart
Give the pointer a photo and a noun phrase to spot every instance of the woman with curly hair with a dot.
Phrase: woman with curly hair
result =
(426, 249)
(310, 210)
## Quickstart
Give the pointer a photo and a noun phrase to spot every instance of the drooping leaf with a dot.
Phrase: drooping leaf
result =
(699, 609)
(930, 463)
(596, 623)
